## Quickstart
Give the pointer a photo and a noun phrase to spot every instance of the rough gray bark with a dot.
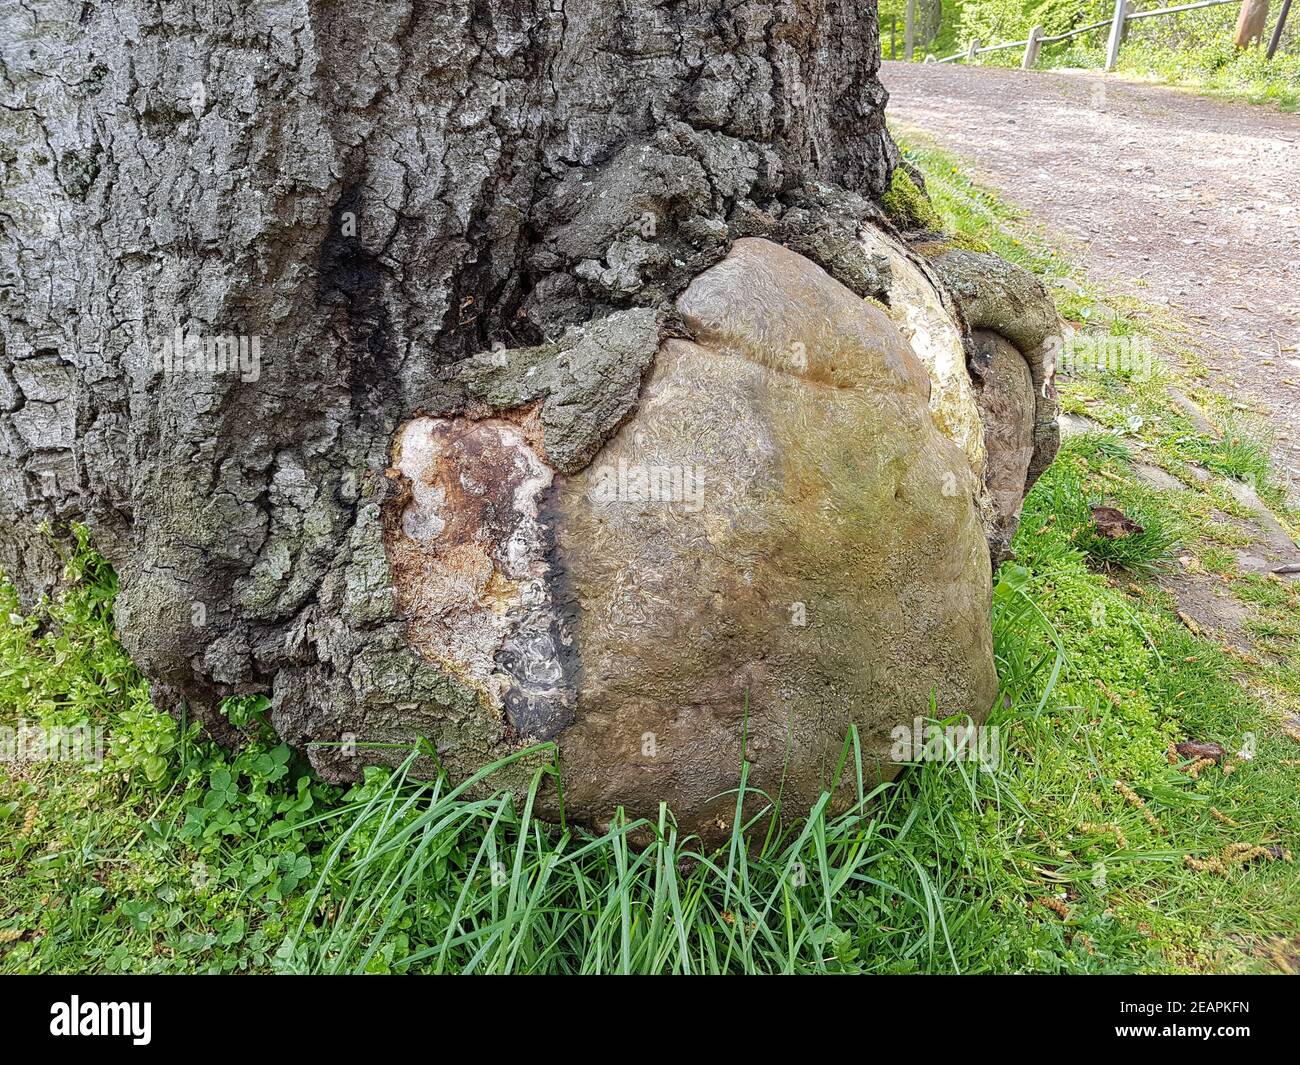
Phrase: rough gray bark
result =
(375, 190)
(382, 199)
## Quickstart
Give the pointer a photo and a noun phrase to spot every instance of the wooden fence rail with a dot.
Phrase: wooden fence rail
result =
(1123, 13)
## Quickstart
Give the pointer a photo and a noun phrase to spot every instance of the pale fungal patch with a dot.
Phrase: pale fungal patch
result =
(916, 307)
(470, 564)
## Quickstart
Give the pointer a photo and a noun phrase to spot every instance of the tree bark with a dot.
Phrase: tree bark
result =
(1251, 23)
(366, 193)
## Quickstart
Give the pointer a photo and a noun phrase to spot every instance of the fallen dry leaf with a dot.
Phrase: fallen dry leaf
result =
(1114, 524)
(1198, 750)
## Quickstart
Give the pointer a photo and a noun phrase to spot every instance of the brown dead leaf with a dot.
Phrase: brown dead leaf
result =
(1198, 750)
(1114, 524)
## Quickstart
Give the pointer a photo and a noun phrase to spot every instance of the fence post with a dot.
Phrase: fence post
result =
(973, 51)
(909, 30)
(1116, 34)
(1276, 39)
(1031, 48)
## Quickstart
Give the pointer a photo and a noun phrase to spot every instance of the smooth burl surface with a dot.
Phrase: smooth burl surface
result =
(778, 546)
(831, 572)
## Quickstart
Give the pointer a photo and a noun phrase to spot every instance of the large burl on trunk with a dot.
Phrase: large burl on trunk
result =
(508, 370)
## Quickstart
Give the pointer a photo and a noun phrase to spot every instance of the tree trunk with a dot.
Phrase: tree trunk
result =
(243, 245)
(930, 20)
(1251, 23)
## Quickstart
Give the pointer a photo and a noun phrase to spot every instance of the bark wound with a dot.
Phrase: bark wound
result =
(470, 555)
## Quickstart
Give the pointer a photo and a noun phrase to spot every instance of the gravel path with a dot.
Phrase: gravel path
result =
(1167, 196)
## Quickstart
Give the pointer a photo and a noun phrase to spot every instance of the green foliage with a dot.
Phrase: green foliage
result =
(995, 21)
(1194, 49)
(969, 243)
(171, 855)
(515, 895)
(1143, 553)
(894, 13)
(970, 216)
(891, 14)
(63, 668)
(1200, 54)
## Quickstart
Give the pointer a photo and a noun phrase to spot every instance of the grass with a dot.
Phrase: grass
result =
(1204, 59)
(1070, 855)
(1143, 553)
(1240, 453)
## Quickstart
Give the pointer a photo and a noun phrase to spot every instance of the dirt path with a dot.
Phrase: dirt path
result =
(1166, 196)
